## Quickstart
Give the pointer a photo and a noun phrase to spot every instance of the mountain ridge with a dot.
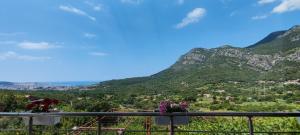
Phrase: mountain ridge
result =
(274, 58)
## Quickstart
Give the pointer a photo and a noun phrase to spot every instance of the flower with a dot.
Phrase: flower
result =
(55, 101)
(183, 105)
(30, 106)
(163, 106)
(41, 105)
(169, 107)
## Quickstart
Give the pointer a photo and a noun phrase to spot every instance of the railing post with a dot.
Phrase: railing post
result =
(99, 126)
(172, 125)
(30, 126)
(250, 125)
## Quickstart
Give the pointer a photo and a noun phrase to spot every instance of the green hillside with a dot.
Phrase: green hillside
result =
(275, 58)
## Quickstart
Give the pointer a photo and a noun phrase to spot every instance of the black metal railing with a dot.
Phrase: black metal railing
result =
(99, 129)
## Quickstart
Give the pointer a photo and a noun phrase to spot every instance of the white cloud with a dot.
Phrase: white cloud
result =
(10, 55)
(96, 7)
(192, 17)
(259, 17)
(132, 1)
(98, 54)
(37, 45)
(89, 35)
(263, 2)
(77, 11)
(286, 6)
(180, 2)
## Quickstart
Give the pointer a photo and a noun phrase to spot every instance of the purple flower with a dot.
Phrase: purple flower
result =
(163, 106)
(169, 107)
(183, 105)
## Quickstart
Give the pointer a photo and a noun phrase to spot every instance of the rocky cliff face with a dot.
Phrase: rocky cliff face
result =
(295, 56)
(193, 57)
(292, 32)
(258, 61)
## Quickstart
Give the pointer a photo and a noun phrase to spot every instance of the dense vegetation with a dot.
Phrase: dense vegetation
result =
(233, 96)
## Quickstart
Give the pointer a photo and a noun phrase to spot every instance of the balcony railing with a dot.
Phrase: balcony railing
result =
(99, 129)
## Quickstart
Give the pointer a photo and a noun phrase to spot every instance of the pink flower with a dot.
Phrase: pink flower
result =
(183, 105)
(163, 106)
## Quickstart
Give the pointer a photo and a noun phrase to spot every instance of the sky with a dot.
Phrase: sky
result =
(96, 40)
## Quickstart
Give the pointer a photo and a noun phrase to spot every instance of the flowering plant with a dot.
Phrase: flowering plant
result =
(41, 105)
(169, 107)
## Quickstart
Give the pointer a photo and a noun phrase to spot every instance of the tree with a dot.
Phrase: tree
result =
(10, 103)
(100, 106)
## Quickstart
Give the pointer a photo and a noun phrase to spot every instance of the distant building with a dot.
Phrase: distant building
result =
(297, 82)
(289, 92)
(229, 98)
(220, 91)
(207, 95)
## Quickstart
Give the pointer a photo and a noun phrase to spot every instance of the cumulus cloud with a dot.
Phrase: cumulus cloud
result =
(136, 2)
(98, 54)
(76, 11)
(89, 35)
(286, 6)
(263, 2)
(10, 55)
(37, 45)
(259, 17)
(192, 17)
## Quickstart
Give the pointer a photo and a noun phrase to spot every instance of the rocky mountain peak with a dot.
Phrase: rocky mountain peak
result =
(294, 32)
(269, 38)
(194, 56)
(226, 46)
(296, 27)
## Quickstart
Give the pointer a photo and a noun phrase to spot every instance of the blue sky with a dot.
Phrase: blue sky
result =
(94, 40)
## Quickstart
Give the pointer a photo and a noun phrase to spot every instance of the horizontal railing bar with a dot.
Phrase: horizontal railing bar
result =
(242, 114)
(198, 131)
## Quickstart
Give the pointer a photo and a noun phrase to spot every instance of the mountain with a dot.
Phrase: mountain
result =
(274, 58)
(268, 38)
(3, 83)
(278, 42)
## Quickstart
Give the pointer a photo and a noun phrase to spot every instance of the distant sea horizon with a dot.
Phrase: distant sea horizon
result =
(59, 83)
(71, 83)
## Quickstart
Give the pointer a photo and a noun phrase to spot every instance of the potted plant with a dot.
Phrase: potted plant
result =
(45, 105)
(170, 107)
